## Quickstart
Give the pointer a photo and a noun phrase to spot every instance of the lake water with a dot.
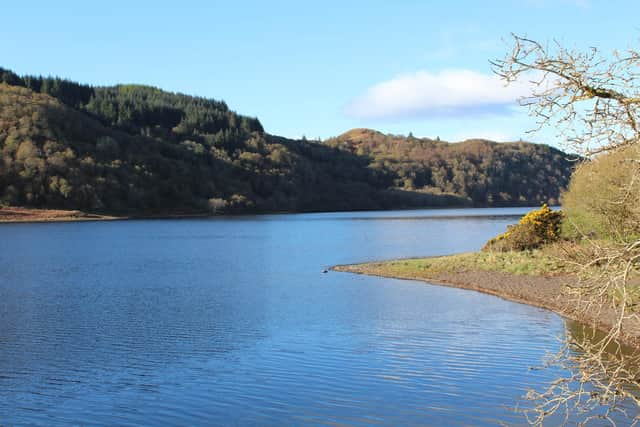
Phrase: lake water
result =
(230, 321)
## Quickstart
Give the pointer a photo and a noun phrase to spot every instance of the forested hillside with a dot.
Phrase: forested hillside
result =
(139, 150)
(486, 172)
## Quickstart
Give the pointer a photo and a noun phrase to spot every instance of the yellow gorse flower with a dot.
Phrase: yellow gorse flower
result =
(544, 223)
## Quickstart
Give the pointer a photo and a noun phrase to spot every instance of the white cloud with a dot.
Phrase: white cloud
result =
(448, 93)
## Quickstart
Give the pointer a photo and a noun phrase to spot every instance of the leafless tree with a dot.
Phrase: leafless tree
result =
(592, 101)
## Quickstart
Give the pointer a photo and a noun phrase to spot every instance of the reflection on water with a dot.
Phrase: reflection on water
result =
(617, 356)
(230, 321)
(598, 380)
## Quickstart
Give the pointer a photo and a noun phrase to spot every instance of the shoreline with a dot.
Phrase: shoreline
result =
(13, 214)
(16, 215)
(542, 291)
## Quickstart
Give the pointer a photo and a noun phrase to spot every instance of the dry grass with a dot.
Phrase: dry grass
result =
(16, 214)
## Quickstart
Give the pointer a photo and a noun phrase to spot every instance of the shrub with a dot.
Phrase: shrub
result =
(535, 229)
(603, 199)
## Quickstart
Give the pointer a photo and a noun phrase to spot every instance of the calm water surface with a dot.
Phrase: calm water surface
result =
(230, 321)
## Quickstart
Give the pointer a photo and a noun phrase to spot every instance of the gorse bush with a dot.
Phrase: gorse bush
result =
(535, 229)
(603, 199)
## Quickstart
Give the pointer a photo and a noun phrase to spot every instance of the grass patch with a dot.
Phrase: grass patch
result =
(535, 262)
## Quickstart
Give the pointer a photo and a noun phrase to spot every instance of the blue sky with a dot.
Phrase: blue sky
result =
(315, 68)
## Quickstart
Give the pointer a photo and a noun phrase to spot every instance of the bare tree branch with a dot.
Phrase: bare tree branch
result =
(593, 103)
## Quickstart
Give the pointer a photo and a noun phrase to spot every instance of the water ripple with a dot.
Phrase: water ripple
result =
(228, 322)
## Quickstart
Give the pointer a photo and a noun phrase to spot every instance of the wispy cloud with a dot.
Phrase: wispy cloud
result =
(447, 93)
(548, 3)
(450, 44)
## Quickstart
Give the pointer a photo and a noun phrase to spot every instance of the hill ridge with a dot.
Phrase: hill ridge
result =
(136, 148)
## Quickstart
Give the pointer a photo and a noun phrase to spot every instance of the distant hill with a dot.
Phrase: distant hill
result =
(486, 172)
(133, 149)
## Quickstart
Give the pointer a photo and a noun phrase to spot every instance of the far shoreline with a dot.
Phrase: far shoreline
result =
(16, 215)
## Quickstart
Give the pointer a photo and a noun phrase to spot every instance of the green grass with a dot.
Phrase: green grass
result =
(535, 262)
